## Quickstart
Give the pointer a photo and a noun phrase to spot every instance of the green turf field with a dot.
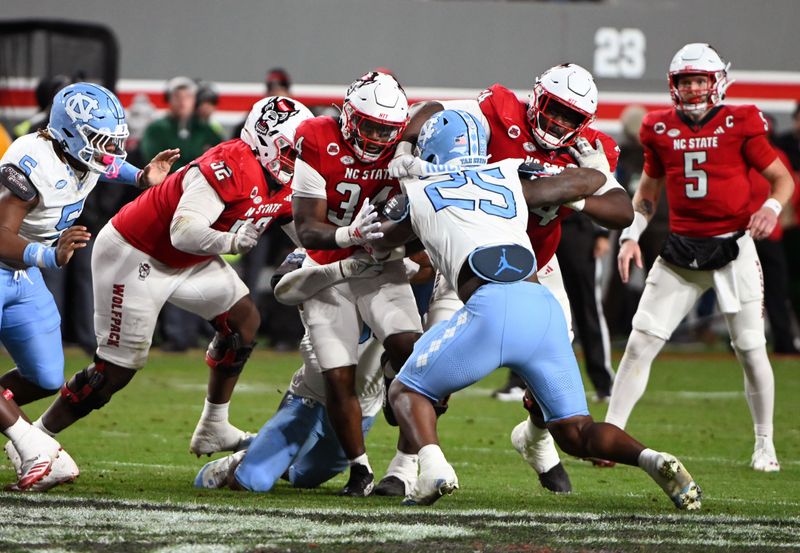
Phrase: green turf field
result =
(135, 492)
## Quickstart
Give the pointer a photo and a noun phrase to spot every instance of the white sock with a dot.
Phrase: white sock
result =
(361, 460)
(16, 431)
(648, 460)
(543, 448)
(431, 456)
(403, 465)
(632, 376)
(759, 389)
(215, 412)
(40, 425)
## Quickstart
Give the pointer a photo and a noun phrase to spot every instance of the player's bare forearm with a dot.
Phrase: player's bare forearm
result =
(645, 200)
(567, 186)
(780, 180)
(612, 210)
(420, 112)
(310, 222)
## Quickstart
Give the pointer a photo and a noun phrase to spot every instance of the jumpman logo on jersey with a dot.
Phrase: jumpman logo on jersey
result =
(504, 264)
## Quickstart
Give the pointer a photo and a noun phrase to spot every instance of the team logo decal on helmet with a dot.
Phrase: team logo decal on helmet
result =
(79, 107)
(269, 131)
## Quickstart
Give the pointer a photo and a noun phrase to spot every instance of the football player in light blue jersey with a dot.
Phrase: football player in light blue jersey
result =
(472, 220)
(45, 178)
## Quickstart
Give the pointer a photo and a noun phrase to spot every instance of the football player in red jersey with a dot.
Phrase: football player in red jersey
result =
(551, 129)
(165, 247)
(702, 150)
(341, 165)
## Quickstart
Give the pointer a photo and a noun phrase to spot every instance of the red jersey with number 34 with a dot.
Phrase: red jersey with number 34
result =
(348, 181)
(706, 166)
(511, 137)
(238, 179)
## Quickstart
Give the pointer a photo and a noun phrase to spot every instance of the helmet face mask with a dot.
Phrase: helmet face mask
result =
(690, 93)
(270, 130)
(563, 104)
(88, 122)
(374, 116)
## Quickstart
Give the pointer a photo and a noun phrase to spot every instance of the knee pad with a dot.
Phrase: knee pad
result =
(85, 391)
(226, 352)
(748, 340)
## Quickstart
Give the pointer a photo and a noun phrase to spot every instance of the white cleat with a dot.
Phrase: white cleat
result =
(32, 472)
(213, 437)
(14, 458)
(764, 457)
(676, 482)
(430, 488)
(64, 471)
(215, 474)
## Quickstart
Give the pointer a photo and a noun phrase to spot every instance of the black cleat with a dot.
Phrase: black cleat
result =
(360, 483)
(390, 486)
(556, 480)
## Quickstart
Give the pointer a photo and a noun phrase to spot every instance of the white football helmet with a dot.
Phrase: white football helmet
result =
(563, 103)
(699, 59)
(269, 131)
(374, 115)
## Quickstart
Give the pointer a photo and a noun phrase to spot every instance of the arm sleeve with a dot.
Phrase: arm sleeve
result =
(122, 173)
(199, 206)
(298, 286)
(307, 182)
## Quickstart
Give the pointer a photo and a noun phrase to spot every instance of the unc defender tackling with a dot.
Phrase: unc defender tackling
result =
(472, 222)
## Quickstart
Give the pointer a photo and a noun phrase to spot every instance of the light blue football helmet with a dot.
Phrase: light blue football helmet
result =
(452, 137)
(84, 120)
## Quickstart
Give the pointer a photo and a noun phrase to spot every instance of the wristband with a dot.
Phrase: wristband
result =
(37, 255)
(636, 229)
(577, 205)
(343, 238)
(774, 205)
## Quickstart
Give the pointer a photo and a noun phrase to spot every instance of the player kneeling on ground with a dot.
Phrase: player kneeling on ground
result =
(472, 220)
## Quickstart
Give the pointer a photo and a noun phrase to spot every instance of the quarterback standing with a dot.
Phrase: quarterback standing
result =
(702, 150)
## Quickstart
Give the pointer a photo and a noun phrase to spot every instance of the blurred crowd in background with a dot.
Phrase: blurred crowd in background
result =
(603, 305)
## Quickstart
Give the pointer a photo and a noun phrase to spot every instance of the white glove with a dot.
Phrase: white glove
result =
(363, 229)
(246, 237)
(406, 165)
(360, 267)
(588, 157)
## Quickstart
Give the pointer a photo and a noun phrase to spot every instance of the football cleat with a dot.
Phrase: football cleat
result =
(32, 472)
(764, 457)
(677, 483)
(64, 471)
(215, 474)
(14, 458)
(392, 486)
(556, 480)
(360, 483)
(215, 436)
(536, 453)
(429, 489)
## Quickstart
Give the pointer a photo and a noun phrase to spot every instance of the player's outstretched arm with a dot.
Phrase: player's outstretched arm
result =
(293, 284)
(763, 221)
(645, 201)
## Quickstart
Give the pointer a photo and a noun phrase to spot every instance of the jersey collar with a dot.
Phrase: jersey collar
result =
(697, 125)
